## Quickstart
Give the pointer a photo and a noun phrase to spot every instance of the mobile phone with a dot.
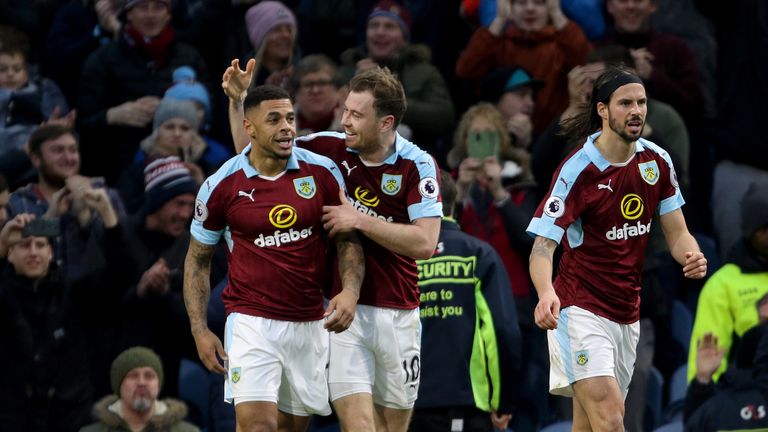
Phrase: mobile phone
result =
(43, 227)
(481, 145)
(98, 182)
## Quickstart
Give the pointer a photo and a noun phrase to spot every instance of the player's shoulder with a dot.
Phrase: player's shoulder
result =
(229, 168)
(411, 152)
(314, 159)
(326, 137)
(655, 150)
(575, 166)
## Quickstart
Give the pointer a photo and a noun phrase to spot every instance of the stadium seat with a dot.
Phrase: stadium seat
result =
(678, 387)
(653, 398)
(682, 325)
(563, 426)
(675, 426)
(193, 389)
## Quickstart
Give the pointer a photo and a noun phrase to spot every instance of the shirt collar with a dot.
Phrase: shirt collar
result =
(596, 157)
(250, 171)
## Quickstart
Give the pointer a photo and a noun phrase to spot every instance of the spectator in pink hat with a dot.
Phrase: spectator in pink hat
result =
(272, 30)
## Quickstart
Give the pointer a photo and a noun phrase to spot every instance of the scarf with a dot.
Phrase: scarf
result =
(156, 47)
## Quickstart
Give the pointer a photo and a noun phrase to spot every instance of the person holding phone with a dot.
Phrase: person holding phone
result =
(495, 199)
(61, 192)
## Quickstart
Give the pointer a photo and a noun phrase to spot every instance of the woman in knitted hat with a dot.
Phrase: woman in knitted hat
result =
(174, 134)
(272, 30)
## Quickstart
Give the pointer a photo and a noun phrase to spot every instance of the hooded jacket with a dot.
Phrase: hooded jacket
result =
(169, 417)
(430, 110)
(728, 302)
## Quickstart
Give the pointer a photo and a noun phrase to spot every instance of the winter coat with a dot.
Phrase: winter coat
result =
(170, 417)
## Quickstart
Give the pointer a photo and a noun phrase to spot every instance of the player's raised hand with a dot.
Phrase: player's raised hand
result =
(236, 81)
(208, 346)
(341, 218)
(547, 311)
(695, 265)
(340, 311)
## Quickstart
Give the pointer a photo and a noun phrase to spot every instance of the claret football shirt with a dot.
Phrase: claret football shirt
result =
(277, 247)
(405, 187)
(602, 214)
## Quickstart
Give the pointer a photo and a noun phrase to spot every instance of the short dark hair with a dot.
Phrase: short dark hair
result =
(13, 41)
(48, 132)
(612, 55)
(447, 192)
(388, 94)
(315, 63)
(263, 93)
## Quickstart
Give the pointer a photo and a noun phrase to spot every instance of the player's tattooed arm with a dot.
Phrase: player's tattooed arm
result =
(341, 308)
(197, 284)
(544, 248)
(351, 261)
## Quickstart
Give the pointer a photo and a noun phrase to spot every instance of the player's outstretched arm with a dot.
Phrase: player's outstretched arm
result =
(684, 248)
(540, 266)
(197, 292)
(341, 308)
(417, 240)
(235, 83)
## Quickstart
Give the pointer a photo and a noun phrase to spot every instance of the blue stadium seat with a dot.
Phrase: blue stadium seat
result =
(563, 426)
(682, 325)
(678, 387)
(653, 398)
(675, 426)
(193, 389)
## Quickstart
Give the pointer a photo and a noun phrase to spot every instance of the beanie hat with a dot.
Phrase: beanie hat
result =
(166, 178)
(129, 4)
(395, 11)
(185, 87)
(754, 209)
(265, 16)
(506, 79)
(174, 108)
(130, 359)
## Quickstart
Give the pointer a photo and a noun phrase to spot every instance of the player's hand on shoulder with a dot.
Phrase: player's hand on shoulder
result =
(341, 218)
(340, 312)
(547, 311)
(208, 346)
(695, 265)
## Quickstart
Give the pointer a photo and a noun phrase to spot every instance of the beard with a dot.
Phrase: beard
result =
(48, 176)
(621, 131)
(141, 404)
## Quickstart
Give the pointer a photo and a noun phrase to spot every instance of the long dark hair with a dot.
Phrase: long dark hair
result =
(587, 121)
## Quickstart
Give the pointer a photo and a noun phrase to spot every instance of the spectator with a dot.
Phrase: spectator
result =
(25, 100)
(4, 195)
(186, 87)
(738, 405)
(663, 61)
(316, 86)
(174, 134)
(739, 140)
(78, 29)
(137, 377)
(122, 83)
(46, 382)
(60, 192)
(726, 304)
(495, 199)
(535, 35)
(430, 111)
(588, 14)
(513, 91)
(476, 292)
(157, 238)
(272, 30)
